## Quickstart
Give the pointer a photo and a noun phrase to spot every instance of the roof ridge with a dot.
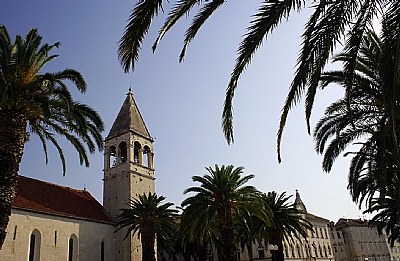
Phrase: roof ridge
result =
(56, 185)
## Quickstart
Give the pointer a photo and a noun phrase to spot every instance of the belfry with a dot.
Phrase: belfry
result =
(128, 169)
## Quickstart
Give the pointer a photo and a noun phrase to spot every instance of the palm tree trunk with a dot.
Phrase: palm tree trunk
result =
(12, 140)
(228, 241)
(148, 238)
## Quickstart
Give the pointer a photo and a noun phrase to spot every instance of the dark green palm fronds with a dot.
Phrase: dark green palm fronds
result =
(135, 31)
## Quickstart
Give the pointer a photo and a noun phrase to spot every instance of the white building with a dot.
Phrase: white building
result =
(358, 240)
(317, 244)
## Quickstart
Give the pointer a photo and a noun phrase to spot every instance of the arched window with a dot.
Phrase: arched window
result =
(34, 246)
(122, 152)
(136, 152)
(147, 157)
(112, 157)
(326, 253)
(102, 251)
(286, 251)
(320, 251)
(73, 248)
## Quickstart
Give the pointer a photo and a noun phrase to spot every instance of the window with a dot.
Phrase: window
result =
(15, 233)
(34, 246)
(73, 248)
(147, 157)
(112, 157)
(102, 251)
(136, 152)
(338, 235)
(122, 152)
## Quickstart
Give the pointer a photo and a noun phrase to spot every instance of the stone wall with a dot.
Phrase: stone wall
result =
(53, 234)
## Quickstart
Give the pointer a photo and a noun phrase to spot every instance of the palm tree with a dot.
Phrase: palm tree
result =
(38, 103)
(370, 117)
(387, 211)
(330, 22)
(286, 222)
(221, 194)
(199, 231)
(150, 219)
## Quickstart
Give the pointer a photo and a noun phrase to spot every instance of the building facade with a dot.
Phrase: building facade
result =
(317, 244)
(358, 240)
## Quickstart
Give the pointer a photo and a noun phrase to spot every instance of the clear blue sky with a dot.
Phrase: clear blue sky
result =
(182, 103)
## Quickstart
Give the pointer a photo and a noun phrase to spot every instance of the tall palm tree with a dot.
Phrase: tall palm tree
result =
(371, 119)
(220, 195)
(32, 102)
(330, 22)
(286, 222)
(149, 218)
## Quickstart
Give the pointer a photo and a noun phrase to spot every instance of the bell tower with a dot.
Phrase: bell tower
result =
(128, 170)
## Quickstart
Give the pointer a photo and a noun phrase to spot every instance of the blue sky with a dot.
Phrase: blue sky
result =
(182, 102)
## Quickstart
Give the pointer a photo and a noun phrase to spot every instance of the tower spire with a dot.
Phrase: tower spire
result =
(129, 119)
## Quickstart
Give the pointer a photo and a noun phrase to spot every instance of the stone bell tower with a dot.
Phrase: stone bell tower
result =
(128, 170)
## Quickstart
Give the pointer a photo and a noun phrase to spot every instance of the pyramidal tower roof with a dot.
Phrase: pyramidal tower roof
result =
(299, 203)
(129, 119)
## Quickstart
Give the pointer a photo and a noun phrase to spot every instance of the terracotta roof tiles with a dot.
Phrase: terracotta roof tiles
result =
(44, 197)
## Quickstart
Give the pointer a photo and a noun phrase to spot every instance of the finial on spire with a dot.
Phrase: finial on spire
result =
(129, 91)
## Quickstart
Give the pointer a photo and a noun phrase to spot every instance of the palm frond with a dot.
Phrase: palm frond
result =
(269, 15)
(138, 25)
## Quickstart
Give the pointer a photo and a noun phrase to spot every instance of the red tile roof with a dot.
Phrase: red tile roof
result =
(44, 197)
(310, 217)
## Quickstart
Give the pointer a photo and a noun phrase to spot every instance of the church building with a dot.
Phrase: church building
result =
(52, 222)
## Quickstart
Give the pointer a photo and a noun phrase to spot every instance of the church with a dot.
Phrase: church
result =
(52, 222)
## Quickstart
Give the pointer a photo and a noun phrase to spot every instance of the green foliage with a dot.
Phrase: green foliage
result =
(369, 116)
(149, 218)
(330, 23)
(223, 198)
(43, 100)
(208, 216)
